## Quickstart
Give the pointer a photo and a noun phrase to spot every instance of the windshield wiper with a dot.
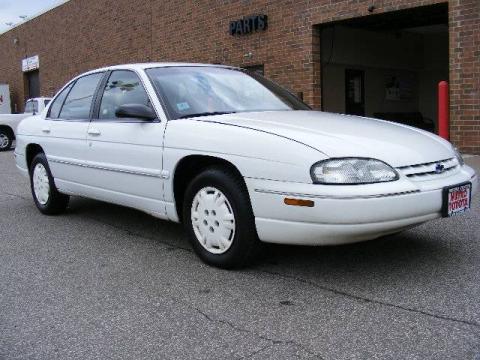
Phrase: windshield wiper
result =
(207, 114)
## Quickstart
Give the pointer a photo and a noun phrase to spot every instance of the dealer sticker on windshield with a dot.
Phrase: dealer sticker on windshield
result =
(456, 199)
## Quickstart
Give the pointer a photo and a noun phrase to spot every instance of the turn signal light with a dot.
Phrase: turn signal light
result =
(299, 202)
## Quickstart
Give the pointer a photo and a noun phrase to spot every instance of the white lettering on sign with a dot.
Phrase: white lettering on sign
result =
(459, 199)
(31, 63)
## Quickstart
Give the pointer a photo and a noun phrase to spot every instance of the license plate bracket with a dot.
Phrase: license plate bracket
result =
(457, 199)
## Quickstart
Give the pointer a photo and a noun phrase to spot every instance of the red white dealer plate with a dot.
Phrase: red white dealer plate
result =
(456, 199)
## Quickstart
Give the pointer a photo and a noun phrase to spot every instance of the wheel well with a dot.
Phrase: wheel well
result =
(8, 130)
(188, 168)
(31, 151)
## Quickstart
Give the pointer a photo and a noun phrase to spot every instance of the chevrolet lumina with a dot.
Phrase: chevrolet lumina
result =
(237, 159)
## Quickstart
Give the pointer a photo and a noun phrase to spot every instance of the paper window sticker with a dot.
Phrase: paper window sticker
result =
(183, 106)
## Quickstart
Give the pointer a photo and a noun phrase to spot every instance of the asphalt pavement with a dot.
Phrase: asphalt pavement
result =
(107, 282)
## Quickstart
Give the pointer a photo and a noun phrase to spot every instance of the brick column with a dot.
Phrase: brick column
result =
(464, 29)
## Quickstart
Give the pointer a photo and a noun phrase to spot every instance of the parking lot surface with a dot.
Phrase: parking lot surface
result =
(103, 281)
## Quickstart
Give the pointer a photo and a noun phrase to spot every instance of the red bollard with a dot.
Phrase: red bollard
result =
(443, 110)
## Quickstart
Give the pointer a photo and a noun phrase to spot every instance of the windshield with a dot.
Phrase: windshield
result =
(198, 91)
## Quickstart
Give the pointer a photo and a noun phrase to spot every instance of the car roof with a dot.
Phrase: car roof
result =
(143, 66)
(40, 98)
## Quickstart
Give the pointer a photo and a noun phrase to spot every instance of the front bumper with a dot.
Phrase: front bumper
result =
(346, 214)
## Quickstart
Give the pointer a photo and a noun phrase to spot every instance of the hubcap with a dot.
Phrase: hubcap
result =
(3, 141)
(213, 220)
(41, 186)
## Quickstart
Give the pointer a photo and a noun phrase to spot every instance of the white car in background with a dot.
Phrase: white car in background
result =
(237, 159)
(9, 122)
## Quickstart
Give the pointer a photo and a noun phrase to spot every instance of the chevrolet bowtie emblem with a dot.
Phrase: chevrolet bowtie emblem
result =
(439, 168)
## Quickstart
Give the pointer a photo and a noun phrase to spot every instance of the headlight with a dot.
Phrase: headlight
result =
(352, 171)
(458, 156)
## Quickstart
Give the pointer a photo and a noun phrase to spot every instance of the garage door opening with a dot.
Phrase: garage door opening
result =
(387, 66)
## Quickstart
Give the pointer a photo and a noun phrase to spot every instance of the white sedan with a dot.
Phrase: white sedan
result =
(237, 159)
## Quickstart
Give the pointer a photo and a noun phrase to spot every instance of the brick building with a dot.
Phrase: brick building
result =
(381, 58)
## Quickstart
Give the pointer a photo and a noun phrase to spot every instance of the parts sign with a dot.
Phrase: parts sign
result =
(248, 24)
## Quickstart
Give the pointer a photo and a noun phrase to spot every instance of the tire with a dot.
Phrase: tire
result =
(6, 139)
(222, 229)
(45, 194)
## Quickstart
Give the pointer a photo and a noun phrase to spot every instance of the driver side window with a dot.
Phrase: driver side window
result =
(123, 87)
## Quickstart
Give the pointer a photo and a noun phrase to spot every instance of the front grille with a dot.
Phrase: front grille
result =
(428, 171)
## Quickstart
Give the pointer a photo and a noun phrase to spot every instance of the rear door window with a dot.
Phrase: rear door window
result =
(54, 110)
(78, 103)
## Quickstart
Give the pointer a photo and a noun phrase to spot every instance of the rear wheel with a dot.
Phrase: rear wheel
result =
(219, 219)
(6, 139)
(45, 195)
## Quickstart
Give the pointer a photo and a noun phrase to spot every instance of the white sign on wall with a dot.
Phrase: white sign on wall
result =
(31, 63)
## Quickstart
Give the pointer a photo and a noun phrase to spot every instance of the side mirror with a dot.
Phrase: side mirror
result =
(137, 111)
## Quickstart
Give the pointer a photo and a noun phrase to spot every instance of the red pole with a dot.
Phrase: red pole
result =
(443, 110)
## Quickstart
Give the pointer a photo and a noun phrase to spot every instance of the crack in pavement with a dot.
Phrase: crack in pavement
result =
(374, 301)
(260, 336)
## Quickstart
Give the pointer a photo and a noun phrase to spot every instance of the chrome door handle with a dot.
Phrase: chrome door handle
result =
(94, 132)
(46, 130)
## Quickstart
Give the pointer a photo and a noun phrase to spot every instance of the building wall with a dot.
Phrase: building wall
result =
(84, 34)
(464, 31)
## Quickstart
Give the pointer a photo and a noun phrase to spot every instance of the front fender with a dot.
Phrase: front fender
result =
(256, 154)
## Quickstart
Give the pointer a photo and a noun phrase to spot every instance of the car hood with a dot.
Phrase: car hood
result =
(338, 135)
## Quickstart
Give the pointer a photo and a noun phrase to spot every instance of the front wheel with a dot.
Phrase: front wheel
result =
(219, 219)
(6, 140)
(45, 194)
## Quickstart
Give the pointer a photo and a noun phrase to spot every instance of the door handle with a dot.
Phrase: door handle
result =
(94, 132)
(46, 130)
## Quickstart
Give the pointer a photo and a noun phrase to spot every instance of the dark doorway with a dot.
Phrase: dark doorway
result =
(33, 84)
(387, 65)
(355, 92)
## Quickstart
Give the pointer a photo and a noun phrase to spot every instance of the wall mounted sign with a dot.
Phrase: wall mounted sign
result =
(31, 63)
(248, 24)
(401, 86)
